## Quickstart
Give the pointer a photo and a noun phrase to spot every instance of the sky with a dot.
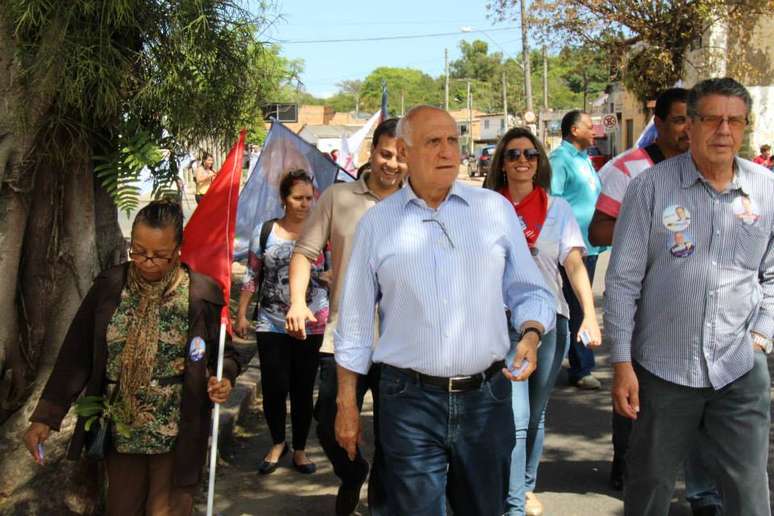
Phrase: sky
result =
(325, 64)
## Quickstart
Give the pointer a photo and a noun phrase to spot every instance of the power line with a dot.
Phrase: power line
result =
(387, 38)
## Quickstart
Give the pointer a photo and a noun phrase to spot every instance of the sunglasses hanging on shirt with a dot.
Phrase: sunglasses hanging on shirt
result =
(529, 154)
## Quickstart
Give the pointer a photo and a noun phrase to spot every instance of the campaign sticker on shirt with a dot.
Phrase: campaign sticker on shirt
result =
(746, 210)
(681, 244)
(676, 218)
(196, 352)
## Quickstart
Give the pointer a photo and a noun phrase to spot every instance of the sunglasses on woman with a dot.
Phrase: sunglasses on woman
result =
(529, 154)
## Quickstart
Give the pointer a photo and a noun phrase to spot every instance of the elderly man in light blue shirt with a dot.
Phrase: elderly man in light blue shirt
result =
(442, 261)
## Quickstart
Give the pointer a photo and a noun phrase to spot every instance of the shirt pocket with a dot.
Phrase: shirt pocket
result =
(750, 243)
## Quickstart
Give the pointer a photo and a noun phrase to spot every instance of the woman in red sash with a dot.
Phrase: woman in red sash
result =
(521, 172)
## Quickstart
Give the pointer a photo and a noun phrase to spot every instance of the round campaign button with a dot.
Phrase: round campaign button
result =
(676, 218)
(196, 352)
(681, 244)
(746, 210)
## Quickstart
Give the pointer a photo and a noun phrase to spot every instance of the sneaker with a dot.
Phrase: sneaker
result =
(588, 383)
(532, 506)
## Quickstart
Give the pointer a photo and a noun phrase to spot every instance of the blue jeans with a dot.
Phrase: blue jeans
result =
(530, 399)
(438, 444)
(581, 357)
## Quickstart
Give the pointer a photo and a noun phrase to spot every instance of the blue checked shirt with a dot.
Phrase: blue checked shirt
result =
(684, 310)
(442, 280)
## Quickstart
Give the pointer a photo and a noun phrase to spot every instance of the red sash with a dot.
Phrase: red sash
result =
(532, 211)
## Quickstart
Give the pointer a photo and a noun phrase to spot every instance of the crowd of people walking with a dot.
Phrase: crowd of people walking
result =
(456, 306)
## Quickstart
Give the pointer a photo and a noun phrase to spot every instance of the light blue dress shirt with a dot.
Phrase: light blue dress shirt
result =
(442, 279)
(574, 179)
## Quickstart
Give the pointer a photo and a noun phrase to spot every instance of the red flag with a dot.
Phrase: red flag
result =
(208, 238)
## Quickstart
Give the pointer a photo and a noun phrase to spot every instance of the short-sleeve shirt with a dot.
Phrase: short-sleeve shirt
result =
(574, 179)
(274, 263)
(619, 172)
(559, 235)
(334, 219)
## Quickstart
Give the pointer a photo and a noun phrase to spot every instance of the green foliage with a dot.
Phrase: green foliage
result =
(181, 71)
(416, 87)
(97, 408)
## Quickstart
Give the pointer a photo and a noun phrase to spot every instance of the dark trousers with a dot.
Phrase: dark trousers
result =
(288, 366)
(350, 472)
(733, 422)
(438, 445)
(581, 358)
(140, 485)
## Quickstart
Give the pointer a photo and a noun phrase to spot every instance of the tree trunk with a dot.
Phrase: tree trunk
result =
(65, 229)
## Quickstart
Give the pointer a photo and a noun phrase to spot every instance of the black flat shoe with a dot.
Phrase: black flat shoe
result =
(306, 469)
(267, 467)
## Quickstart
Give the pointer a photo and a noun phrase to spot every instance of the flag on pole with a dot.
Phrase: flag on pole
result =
(384, 112)
(350, 146)
(259, 201)
(208, 238)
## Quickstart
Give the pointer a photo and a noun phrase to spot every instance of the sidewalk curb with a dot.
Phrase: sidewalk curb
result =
(243, 396)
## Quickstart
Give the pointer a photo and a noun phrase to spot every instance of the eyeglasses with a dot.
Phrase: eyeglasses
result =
(443, 228)
(140, 259)
(529, 154)
(714, 121)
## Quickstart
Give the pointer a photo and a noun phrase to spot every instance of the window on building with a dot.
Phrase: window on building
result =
(502, 124)
(486, 124)
(629, 133)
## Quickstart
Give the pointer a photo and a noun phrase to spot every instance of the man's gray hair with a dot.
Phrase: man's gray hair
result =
(725, 86)
(403, 131)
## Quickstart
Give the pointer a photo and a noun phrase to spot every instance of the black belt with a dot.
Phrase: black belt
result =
(455, 383)
(160, 382)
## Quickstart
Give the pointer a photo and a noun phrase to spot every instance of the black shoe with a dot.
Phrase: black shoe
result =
(267, 467)
(347, 499)
(616, 475)
(306, 469)
(707, 510)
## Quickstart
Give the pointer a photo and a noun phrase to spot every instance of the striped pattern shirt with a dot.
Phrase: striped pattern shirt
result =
(442, 279)
(685, 287)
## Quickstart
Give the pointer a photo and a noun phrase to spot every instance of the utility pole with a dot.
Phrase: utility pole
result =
(525, 53)
(446, 75)
(470, 120)
(402, 103)
(545, 77)
(505, 104)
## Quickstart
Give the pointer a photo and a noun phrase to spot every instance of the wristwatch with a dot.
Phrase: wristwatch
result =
(764, 343)
(531, 329)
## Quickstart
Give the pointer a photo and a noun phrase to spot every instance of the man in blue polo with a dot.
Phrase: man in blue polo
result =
(574, 179)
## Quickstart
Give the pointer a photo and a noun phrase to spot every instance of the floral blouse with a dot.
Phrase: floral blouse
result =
(155, 427)
(274, 301)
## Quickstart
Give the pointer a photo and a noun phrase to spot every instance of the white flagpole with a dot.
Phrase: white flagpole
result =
(216, 423)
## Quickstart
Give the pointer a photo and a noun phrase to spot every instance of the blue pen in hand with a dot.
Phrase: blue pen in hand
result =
(41, 454)
(517, 371)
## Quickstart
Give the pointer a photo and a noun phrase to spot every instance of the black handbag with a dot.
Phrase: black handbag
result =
(99, 436)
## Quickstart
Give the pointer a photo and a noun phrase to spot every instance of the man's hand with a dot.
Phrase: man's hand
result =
(348, 427)
(219, 390)
(35, 436)
(296, 318)
(626, 390)
(526, 349)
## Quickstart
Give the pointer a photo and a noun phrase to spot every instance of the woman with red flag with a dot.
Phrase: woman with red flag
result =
(143, 350)
(521, 172)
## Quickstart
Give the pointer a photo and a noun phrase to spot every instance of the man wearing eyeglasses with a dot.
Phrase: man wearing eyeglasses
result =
(441, 260)
(690, 331)
(671, 122)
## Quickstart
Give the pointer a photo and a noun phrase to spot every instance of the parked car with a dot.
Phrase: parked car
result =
(597, 158)
(483, 159)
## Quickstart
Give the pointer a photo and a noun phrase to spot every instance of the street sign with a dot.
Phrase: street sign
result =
(530, 117)
(610, 121)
